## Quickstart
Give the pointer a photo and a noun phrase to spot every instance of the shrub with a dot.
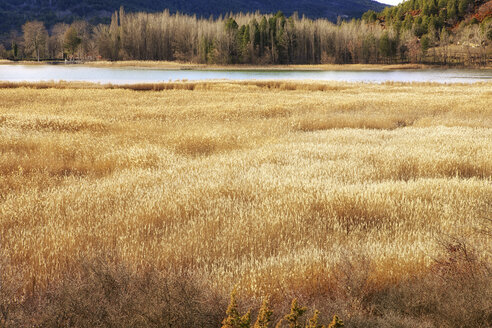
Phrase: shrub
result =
(295, 314)
(313, 322)
(104, 292)
(336, 323)
(234, 318)
(264, 315)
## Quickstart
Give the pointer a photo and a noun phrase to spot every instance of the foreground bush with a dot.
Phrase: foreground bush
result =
(103, 292)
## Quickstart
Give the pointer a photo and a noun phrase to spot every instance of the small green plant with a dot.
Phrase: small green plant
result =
(295, 313)
(313, 322)
(245, 321)
(234, 318)
(264, 319)
(264, 315)
(336, 323)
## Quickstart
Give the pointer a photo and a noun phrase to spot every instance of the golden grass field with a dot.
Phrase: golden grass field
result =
(267, 185)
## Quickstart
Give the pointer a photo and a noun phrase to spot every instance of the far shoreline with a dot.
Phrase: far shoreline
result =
(169, 65)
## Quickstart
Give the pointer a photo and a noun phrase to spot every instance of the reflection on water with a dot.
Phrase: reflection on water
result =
(33, 73)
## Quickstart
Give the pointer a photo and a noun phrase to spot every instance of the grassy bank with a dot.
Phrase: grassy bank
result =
(150, 202)
(172, 65)
(326, 67)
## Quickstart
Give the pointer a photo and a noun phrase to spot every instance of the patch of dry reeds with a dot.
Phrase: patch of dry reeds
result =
(279, 187)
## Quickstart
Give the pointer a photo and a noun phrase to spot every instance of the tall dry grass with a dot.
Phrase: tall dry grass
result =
(283, 188)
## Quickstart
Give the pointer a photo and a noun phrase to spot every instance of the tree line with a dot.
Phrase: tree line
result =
(387, 37)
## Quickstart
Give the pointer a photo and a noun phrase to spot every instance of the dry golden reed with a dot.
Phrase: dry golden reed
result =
(268, 185)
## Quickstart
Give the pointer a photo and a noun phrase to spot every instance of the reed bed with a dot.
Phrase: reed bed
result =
(270, 186)
(188, 65)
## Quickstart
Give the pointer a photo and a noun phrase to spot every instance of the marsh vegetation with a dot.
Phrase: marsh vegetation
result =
(144, 205)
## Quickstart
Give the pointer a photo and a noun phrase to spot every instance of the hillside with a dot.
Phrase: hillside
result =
(431, 16)
(13, 14)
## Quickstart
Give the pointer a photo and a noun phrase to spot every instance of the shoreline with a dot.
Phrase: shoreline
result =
(285, 85)
(167, 65)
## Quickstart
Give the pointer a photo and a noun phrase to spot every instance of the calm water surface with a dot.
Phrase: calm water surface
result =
(35, 73)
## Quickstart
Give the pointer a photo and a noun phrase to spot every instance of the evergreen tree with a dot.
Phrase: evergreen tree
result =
(452, 10)
(264, 315)
(313, 322)
(385, 45)
(15, 49)
(71, 41)
(425, 44)
(295, 314)
(234, 319)
(336, 323)
(463, 7)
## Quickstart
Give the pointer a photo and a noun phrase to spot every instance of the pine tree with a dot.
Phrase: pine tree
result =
(336, 323)
(385, 45)
(295, 313)
(71, 41)
(264, 316)
(245, 320)
(463, 7)
(452, 10)
(313, 322)
(15, 49)
(233, 319)
(425, 43)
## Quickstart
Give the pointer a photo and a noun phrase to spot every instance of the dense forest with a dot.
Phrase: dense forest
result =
(464, 25)
(417, 31)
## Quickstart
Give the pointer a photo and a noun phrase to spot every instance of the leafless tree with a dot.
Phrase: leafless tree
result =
(35, 38)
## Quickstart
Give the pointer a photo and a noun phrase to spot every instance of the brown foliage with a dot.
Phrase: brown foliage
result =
(103, 292)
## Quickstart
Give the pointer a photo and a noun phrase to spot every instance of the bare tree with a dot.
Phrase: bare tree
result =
(108, 40)
(55, 42)
(35, 38)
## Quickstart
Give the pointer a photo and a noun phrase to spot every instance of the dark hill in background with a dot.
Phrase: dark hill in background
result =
(13, 13)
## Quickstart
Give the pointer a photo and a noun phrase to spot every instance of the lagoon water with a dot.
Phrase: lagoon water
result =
(36, 73)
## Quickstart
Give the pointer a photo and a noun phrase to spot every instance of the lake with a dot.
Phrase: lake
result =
(125, 75)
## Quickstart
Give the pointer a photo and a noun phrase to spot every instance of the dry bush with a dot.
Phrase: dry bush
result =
(204, 145)
(155, 86)
(103, 292)
(298, 85)
(455, 292)
(10, 291)
(339, 121)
